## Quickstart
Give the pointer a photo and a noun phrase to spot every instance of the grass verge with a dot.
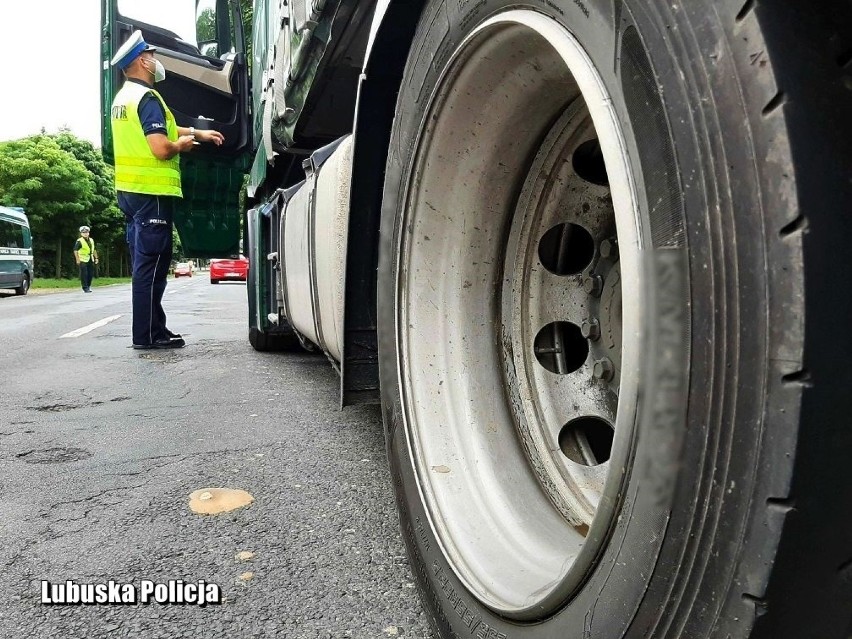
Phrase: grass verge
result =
(44, 282)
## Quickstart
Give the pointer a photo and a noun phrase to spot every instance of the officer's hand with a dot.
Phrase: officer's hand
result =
(206, 135)
(184, 143)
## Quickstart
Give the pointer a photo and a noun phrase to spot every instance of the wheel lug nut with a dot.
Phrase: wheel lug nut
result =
(609, 249)
(593, 285)
(603, 369)
(591, 329)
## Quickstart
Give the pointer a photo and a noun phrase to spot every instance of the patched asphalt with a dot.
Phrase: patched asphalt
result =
(101, 447)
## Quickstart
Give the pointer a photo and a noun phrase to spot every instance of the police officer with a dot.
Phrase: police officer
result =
(86, 257)
(146, 144)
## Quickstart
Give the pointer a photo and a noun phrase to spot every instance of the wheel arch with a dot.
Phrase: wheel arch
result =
(394, 27)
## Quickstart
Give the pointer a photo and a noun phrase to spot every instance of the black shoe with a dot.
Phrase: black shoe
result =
(160, 344)
(173, 335)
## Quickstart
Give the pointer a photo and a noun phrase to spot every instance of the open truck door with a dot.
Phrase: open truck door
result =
(201, 44)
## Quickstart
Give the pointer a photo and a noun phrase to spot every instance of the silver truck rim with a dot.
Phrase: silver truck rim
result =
(519, 389)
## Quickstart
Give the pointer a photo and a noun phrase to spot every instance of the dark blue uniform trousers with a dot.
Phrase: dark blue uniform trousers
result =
(87, 273)
(149, 239)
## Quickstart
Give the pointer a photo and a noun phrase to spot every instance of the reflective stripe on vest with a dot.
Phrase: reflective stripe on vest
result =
(85, 251)
(136, 168)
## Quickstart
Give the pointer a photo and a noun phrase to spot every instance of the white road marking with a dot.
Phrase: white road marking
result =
(91, 327)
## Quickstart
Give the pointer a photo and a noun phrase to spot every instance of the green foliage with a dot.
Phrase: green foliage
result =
(206, 31)
(52, 186)
(205, 26)
(205, 34)
(103, 215)
(62, 183)
(103, 175)
(47, 181)
(246, 15)
(177, 247)
(247, 11)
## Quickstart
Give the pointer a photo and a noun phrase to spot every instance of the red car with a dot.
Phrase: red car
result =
(233, 269)
(183, 269)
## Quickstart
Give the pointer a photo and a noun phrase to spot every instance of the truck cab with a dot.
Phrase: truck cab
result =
(201, 45)
(280, 81)
(247, 70)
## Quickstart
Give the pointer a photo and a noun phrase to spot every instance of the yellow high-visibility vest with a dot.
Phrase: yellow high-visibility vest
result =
(85, 251)
(136, 168)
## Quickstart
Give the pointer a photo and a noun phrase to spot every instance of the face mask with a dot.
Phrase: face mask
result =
(159, 71)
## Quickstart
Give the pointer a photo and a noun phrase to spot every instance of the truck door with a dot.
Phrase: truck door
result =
(202, 46)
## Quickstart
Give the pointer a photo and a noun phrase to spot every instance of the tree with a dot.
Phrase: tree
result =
(205, 26)
(247, 11)
(177, 247)
(107, 222)
(103, 196)
(205, 33)
(53, 186)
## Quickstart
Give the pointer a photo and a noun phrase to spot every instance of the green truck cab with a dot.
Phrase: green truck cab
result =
(201, 47)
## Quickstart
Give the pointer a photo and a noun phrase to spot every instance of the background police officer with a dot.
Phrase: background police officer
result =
(146, 144)
(86, 257)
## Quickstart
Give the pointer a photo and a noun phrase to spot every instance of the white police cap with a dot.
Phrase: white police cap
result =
(130, 50)
(84, 229)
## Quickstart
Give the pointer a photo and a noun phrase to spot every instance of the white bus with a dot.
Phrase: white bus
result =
(16, 250)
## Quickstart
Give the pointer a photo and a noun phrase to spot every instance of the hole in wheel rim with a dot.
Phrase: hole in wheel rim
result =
(587, 441)
(561, 348)
(566, 249)
(589, 164)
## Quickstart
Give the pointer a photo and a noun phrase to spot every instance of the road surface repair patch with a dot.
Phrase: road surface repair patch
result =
(212, 501)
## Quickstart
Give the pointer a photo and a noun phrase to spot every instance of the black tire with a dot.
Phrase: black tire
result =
(731, 519)
(214, 281)
(24, 288)
(265, 341)
(273, 337)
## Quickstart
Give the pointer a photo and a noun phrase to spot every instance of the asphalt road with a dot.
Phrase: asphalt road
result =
(101, 446)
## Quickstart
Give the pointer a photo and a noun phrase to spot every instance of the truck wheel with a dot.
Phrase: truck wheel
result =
(267, 341)
(270, 337)
(24, 288)
(606, 233)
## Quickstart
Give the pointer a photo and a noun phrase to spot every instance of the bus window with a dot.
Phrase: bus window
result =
(11, 235)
